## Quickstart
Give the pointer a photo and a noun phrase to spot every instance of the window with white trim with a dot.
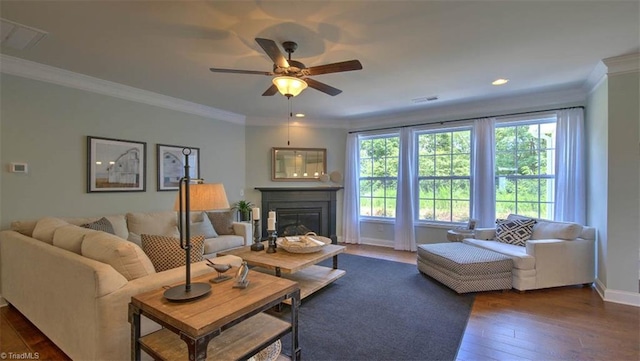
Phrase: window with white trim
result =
(444, 175)
(525, 168)
(378, 169)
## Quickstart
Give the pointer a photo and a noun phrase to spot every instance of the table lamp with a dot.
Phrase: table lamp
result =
(193, 197)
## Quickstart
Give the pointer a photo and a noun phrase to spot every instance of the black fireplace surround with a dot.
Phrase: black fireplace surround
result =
(300, 209)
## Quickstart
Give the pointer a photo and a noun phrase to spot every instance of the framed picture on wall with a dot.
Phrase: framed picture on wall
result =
(116, 165)
(171, 162)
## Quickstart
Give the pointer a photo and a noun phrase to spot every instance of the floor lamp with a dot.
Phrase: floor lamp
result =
(193, 197)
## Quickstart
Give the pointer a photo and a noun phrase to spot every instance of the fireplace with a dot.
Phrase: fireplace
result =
(300, 210)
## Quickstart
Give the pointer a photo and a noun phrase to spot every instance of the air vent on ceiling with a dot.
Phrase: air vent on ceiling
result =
(18, 36)
(424, 99)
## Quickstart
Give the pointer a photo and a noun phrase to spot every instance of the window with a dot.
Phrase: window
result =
(379, 175)
(524, 171)
(444, 175)
(525, 156)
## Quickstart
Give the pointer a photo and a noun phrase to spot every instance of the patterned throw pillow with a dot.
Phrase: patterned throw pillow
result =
(101, 224)
(514, 231)
(222, 221)
(165, 252)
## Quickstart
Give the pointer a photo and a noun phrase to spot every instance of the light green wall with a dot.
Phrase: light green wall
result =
(260, 140)
(623, 231)
(596, 120)
(46, 125)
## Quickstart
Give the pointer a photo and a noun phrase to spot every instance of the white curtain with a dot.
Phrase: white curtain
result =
(351, 203)
(483, 198)
(570, 196)
(404, 232)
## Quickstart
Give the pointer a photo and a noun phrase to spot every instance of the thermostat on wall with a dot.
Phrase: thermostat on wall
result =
(18, 168)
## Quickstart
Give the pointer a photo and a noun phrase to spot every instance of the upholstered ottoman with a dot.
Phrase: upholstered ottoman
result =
(465, 268)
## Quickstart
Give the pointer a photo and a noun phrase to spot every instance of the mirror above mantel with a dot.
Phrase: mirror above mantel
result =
(298, 164)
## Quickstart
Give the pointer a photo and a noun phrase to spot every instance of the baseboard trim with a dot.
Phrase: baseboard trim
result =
(3, 302)
(617, 296)
(376, 242)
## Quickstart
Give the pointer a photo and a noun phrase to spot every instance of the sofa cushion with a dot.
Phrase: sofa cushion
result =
(222, 243)
(200, 224)
(546, 229)
(222, 221)
(125, 257)
(70, 237)
(514, 231)
(521, 260)
(165, 252)
(118, 222)
(160, 223)
(46, 227)
(101, 224)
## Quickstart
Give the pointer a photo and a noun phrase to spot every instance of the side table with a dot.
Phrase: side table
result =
(229, 323)
(458, 234)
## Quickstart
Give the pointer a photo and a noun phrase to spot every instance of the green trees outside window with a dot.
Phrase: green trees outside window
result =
(444, 175)
(524, 170)
(379, 158)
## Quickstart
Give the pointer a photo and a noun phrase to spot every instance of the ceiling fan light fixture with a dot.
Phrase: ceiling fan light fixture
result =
(289, 86)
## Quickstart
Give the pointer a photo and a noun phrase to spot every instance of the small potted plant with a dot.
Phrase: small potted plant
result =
(244, 209)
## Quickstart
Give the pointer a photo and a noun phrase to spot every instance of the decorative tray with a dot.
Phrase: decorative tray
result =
(301, 244)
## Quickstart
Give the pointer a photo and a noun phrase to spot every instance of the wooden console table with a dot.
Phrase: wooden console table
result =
(227, 324)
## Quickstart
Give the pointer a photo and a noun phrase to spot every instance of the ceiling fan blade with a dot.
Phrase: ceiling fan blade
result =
(348, 65)
(273, 89)
(218, 70)
(322, 87)
(271, 48)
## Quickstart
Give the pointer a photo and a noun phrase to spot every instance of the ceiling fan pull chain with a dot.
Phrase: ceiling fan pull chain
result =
(289, 121)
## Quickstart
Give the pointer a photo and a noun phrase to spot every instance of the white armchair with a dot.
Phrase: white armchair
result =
(558, 254)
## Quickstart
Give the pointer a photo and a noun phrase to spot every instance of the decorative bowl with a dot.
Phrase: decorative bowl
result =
(308, 243)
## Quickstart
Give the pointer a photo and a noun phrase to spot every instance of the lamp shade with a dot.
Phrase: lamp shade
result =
(289, 86)
(204, 197)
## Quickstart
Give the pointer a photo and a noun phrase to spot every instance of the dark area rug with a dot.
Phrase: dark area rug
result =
(381, 310)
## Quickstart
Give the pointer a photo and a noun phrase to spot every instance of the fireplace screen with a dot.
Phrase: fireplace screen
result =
(293, 222)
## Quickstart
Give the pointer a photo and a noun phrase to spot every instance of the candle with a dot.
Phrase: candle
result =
(256, 214)
(271, 224)
(272, 214)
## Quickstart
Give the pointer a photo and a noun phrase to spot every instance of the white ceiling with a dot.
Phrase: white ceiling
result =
(408, 49)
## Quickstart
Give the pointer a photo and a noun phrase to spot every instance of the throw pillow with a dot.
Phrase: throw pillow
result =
(222, 221)
(101, 224)
(165, 252)
(514, 231)
(200, 224)
(162, 223)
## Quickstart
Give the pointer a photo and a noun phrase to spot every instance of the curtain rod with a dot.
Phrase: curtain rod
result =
(464, 120)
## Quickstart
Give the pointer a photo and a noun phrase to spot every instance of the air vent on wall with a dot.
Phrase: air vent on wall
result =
(18, 36)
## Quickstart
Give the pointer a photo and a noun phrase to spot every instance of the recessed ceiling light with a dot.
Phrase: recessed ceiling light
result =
(299, 115)
(500, 81)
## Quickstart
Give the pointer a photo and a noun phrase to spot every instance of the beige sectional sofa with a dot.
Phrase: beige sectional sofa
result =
(557, 254)
(75, 283)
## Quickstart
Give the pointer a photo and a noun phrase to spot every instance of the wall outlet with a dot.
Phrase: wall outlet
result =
(380, 228)
(242, 192)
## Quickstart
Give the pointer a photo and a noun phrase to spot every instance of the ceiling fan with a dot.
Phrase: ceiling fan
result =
(287, 69)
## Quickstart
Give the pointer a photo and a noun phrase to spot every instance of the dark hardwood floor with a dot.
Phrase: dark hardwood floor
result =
(566, 323)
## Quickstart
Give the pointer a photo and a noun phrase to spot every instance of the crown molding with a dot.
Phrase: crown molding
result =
(623, 64)
(37, 71)
(596, 77)
(524, 102)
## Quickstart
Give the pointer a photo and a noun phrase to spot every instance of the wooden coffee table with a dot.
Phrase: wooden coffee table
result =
(299, 267)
